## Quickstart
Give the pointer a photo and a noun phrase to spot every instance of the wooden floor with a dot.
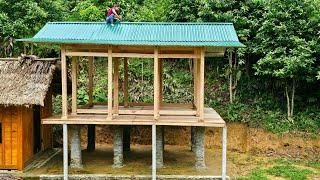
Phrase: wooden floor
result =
(169, 116)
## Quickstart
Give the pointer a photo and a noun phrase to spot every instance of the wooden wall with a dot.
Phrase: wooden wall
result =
(27, 134)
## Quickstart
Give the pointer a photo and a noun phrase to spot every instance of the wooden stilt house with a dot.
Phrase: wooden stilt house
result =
(25, 98)
(119, 43)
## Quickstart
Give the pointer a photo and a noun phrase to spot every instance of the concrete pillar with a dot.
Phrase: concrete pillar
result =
(160, 146)
(117, 147)
(75, 147)
(193, 142)
(126, 138)
(199, 147)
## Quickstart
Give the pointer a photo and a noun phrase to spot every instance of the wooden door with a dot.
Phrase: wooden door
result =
(9, 122)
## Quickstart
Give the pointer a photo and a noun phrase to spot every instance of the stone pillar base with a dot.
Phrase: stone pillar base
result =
(117, 147)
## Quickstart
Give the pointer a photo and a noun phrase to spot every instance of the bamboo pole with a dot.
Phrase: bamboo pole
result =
(156, 84)
(74, 76)
(125, 83)
(110, 83)
(116, 87)
(64, 83)
(90, 77)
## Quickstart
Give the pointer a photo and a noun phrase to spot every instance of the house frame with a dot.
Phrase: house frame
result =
(127, 113)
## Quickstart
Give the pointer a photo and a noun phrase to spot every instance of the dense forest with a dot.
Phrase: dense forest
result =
(272, 83)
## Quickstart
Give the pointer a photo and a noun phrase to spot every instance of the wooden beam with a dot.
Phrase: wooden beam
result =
(110, 83)
(125, 82)
(90, 77)
(176, 112)
(74, 77)
(64, 82)
(131, 55)
(87, 54)
(156, 83)
(116, 87)
(178, 56)
(201, 87)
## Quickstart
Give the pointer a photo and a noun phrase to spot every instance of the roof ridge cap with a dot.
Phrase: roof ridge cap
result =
(155, 23)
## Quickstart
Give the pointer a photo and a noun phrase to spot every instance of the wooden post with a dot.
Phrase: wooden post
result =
(64, 83)
(125, 83)
(195, 83)
(110, 83)
(25, 48)
(156, 84)
(116, 87)
(90, 77)
(31, 49)
(201, 88)
(154, 152)
(74, 84)
(160, 82)
(224, 153)
(65, 152)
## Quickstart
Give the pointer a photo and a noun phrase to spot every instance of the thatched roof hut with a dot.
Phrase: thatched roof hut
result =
(25, 81)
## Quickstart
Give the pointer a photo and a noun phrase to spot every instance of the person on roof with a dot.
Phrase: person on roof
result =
(112, 14)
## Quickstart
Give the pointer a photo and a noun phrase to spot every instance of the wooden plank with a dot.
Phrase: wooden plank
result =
(201, 88)
(74, 78)
(90, 78)
(64, 82)
(116, 87)
(110, 83)
(156, 83)
(125, 83)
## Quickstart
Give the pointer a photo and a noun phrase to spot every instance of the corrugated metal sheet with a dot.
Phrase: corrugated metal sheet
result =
(140, 33)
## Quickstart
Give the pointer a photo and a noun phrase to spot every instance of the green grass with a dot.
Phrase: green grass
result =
(256, 174)
(288, 171)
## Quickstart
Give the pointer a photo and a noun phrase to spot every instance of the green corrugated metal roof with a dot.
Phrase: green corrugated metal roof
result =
(139, 33)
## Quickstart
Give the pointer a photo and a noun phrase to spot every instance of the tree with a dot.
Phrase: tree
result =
(286, 41)
(21, 19)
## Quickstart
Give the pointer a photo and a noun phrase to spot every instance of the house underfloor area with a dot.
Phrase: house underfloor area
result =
(178, 160)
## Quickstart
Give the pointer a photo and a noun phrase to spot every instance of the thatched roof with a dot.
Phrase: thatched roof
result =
(25, 81)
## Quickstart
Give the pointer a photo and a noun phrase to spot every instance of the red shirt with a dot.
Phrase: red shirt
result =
(110, 12)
